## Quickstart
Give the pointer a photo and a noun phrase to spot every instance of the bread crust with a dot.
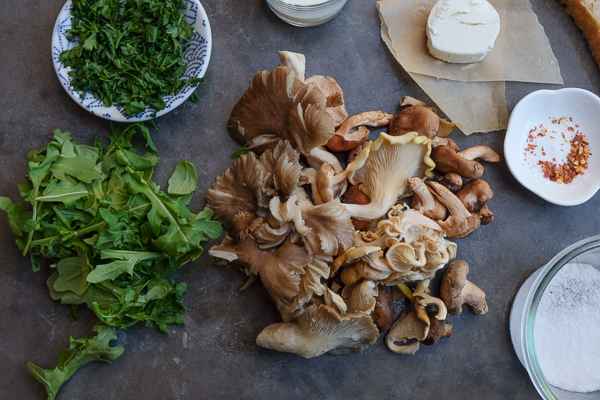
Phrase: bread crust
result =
(586, 14)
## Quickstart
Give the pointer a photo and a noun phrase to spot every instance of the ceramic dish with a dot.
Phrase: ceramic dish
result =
(525, 307)
(540, 108)
(305, 13)
(196, 57)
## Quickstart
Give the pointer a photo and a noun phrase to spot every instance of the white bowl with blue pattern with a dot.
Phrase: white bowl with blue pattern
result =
(196, 57)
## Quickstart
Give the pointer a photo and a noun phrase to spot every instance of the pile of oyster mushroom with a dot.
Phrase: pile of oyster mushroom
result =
(328, 242)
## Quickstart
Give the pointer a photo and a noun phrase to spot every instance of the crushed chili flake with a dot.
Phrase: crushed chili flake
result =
(577, 159)
(576, 162)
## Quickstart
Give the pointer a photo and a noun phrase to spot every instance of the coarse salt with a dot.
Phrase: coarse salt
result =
(566, 329)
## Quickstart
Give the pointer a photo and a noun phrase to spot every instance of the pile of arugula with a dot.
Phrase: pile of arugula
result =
(130, 52)
(113, 236)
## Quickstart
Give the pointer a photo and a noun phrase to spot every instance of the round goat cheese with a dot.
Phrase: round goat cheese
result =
(462, 31)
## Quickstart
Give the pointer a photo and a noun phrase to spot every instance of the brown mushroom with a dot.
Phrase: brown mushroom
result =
(452, 184)
(485, 214)
(461, 222)
(423, 200)
(406, 328)
(483, 152)
(354, 195)
(475, 191)
(447, 160)
(456, 290)
(438, 329)
(352, 154)
(438, 141)
(384, 310)
(352, 131)
(445, 127)
(415, 119)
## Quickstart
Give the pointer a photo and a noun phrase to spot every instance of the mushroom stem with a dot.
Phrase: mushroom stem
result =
(320, 155)
(424, 200)
(327, 180)
(483, 152)
(449, 199)
(475, 298)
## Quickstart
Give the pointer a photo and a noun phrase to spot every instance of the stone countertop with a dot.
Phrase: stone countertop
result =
(214, 355)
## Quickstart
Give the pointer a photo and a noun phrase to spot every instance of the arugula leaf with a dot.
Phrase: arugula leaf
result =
(80, 352)
(183, 181)
(112, 234)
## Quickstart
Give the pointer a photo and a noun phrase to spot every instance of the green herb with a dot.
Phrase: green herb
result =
(81, 352)
(241, 151)
(130, 52)
(113, 236)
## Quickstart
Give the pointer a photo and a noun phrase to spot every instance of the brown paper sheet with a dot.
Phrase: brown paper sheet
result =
(521, 52)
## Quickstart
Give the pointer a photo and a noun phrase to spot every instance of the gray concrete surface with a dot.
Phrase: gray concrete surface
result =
(214, 356)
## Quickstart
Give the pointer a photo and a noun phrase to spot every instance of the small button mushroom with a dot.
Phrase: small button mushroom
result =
(438, 329)
(415, 119)
(456, 290)
(447, 160)
(384, 310)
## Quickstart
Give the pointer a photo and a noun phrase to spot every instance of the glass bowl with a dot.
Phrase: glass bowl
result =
(525, 307)
(305, 13)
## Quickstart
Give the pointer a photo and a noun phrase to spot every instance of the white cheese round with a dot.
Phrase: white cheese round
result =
(462, 31)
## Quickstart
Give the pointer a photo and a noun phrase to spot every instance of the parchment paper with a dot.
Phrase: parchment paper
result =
(521, 51)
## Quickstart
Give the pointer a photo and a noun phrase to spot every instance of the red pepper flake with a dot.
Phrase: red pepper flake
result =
(576, 161)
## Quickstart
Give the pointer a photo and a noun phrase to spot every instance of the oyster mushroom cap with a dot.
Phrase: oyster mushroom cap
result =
(362, 298)
(280, 271)
(282, 169)
(320, 329)
(382, 170)
(259, 119)
(406, 328)
(456, 290)
(335, 97)
(295, 61)
(279, 106)
(237, 191)
(402, 256)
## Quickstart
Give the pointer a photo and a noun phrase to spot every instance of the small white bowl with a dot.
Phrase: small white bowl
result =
(539, 108)
(196, 57)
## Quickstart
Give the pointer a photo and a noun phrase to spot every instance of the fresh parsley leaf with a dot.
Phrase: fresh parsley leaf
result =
(130, 52)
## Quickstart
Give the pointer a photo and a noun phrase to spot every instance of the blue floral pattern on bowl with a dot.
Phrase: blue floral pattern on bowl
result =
(196, 57)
